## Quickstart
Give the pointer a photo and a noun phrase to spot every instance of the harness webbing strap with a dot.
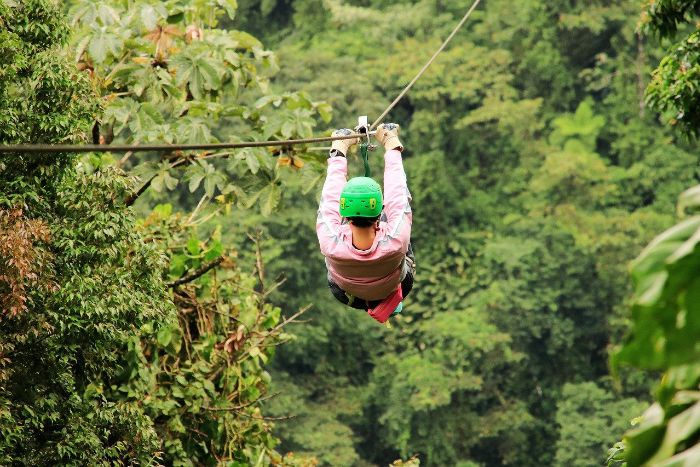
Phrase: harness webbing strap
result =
(365, 159)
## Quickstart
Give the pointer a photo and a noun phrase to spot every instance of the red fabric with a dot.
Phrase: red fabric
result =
(382, 311)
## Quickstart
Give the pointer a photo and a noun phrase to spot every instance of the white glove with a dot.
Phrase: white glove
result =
(388, 135)
(342, 146)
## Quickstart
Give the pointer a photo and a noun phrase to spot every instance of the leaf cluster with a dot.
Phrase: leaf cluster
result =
(664, 337)
(21, 261)
(170, 73)
(535, 178)
(78, 280)
(673, 90)
(664, 17)
(201, 377)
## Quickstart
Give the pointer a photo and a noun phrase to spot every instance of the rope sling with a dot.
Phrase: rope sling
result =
(364, 147)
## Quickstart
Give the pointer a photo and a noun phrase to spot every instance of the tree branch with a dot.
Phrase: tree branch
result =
(197, 273)
(259, 261)
(242, 406)
(292, 318)
(272, 419)
(126, 157)
(134, 196)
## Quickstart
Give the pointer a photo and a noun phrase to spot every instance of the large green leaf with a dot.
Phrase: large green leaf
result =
(679, 429)
(643, 440)
(214, 251)
(230, 6)
(152, 14)
(104, 43)
(195, 174)
(690, 198)
(199, 72)
(269, 198)
(193, 131)
(688, 458)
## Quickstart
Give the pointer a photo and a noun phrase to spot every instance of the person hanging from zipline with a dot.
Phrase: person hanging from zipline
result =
(364, 237)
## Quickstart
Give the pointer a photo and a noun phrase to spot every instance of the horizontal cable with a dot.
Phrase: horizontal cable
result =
(78, 148)
(81, 148)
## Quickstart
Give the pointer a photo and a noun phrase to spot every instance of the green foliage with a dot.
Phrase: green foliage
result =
(535, 178)
(317, 428)
(664, 337)
(673, 89)
(419, 389)
(43, 99)
(201, 377)
(38, 24)
(94, 280)
(665, 330)
(100, 364)
(590, 417)
(170, 73)
(583, 126)
(664, 16)
(535, 174)
(678, 101)
(664, 334)
(107, 284)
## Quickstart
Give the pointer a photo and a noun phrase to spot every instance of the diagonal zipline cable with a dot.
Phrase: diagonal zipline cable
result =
(83, 148)
(426, 66)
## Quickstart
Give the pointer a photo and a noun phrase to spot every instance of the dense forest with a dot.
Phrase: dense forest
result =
(172, 308)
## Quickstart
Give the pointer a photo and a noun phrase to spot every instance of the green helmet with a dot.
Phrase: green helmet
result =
(361, 197)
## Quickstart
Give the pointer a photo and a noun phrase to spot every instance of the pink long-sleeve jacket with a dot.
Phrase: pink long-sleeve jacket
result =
(371, 274)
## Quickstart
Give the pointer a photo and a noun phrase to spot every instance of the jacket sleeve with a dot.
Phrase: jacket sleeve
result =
(329, 219)
(397, 198)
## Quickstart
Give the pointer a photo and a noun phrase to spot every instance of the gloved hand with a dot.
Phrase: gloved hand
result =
(342, 146)
(388, 135)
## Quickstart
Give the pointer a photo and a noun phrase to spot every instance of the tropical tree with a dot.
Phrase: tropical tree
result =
(120, 343)
(168, 72)
(77, 280)
(673, 90)
(535, 176)
(202, 378)
(666, 307)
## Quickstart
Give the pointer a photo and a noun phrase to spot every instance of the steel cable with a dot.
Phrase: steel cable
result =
(83, 148)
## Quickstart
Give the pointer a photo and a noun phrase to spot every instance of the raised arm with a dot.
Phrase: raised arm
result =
(397, 198)
(329, 208)
(328, 220)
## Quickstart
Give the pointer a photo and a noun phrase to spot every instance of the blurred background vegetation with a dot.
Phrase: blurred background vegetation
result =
(542, 155)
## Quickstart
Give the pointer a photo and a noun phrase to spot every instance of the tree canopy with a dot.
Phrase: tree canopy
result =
(152, 302)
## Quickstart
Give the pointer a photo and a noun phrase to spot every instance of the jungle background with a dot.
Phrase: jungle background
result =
(173, 308)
